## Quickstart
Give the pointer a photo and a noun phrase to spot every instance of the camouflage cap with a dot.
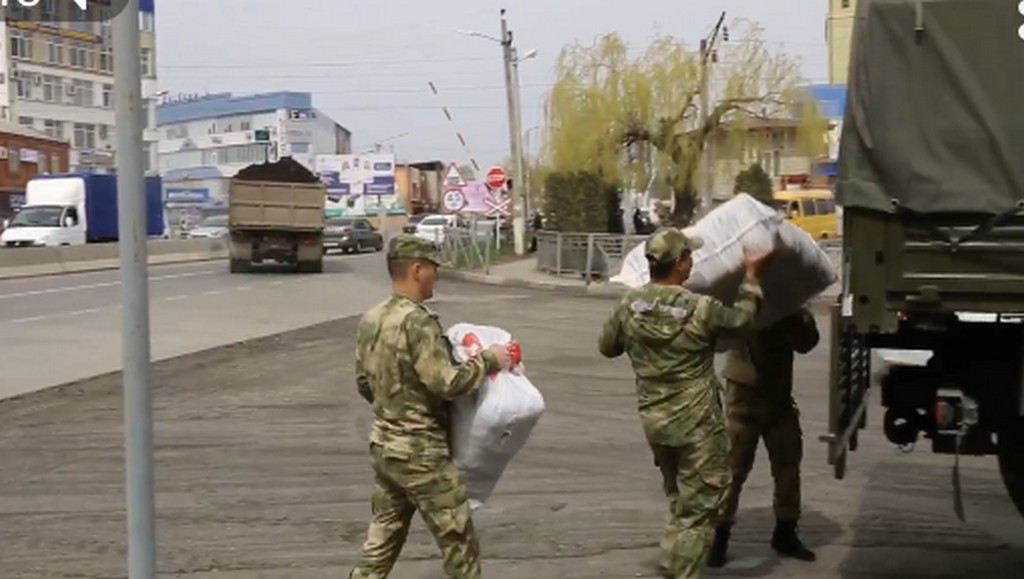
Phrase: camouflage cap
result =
(668, 243)
(405, 246)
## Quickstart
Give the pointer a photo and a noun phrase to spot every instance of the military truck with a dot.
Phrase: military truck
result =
(931, 181)
(276, 213)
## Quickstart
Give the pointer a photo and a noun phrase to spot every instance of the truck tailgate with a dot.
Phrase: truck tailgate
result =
(269, 205)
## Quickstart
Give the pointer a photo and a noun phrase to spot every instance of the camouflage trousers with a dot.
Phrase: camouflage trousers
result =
(751, 417)
(696, 480)
(432, 486)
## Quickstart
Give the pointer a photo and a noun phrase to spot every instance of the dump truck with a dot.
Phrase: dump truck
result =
(931, 184)
(276, 213)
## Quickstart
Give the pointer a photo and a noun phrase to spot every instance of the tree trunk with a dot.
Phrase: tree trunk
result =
(686, 206)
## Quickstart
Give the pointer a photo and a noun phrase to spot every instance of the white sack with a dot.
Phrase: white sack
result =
(490, 426)
(801, 269)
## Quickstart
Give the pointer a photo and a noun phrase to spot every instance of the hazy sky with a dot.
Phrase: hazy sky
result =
(368, 63)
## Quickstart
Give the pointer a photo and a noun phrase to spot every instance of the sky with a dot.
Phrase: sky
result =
(368, 64)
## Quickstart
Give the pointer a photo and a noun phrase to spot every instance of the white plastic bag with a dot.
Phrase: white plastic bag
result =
(492, 425)
(800, 271)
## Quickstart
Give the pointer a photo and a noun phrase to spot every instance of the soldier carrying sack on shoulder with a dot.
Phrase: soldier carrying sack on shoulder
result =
(406, 369)
(669, 334)
(760, 404)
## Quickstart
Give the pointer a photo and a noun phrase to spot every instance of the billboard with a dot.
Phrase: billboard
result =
(359, 184)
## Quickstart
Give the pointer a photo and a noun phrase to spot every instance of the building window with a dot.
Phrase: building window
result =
(53, 128)
(55, 51)
(79, 52)
(81, 22)
(21, 44)
(106, 28)
(104, 132)
(55, 163)
(147, 62)
(14, 160)
(81, 93)
(108, 96)
(844, 3)
(41, 164)
(23, 84)
(53, 89)
(85, 136)
(50, 13)
(246, 126)
(25, 121)
(146, 22)
(106, 59)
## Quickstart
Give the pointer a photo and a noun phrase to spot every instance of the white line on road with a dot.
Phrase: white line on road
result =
(53, 316)
(100, 285)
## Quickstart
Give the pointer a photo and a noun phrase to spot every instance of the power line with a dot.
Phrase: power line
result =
(337, 64)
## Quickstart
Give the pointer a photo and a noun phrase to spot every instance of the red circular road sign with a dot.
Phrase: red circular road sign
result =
(496, 177)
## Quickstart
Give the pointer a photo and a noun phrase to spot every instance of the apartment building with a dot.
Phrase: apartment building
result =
(838, 36)
(25, 153)
(61, 77)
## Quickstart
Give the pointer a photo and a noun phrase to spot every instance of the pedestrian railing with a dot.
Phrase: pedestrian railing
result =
(599, 256)
(592, 256)
(466, 248)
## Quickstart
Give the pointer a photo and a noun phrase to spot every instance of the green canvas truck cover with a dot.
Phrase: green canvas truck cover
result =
(934, 119)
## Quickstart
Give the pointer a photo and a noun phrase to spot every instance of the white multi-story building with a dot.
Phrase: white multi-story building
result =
(61, 77)
(205, 140)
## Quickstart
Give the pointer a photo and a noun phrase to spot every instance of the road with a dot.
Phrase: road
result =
(56, 329)
(262, 471)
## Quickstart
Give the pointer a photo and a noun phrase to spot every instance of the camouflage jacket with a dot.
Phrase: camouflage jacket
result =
(765, 358)
(406, 369)
(669, 334)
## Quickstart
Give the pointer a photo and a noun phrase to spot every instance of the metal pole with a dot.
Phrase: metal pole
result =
(519, 182)
(706, 194)
(132, 200)
(510, 90)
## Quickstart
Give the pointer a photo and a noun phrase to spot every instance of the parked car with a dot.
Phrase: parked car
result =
(434, 228)
(410, 225)
(352, 235)
(211, 227)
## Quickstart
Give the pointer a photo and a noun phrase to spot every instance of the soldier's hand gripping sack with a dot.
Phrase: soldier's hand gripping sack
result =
(490, 426)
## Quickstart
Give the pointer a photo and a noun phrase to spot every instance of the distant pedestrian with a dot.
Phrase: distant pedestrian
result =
(406, 369)
(761, 405)
(669, 334)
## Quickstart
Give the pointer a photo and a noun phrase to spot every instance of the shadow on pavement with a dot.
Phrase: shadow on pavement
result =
(750, 553)
(905, 527)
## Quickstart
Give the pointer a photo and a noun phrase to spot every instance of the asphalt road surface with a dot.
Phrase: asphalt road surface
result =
(56, 329)
(262, 472)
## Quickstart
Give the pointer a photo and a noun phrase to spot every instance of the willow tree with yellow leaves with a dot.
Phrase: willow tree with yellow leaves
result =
(636, 119)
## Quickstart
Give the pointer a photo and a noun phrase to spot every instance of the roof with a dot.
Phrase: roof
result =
(10, 128)
(226, 104)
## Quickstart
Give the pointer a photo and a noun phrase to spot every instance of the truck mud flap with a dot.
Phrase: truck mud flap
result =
(849, 391)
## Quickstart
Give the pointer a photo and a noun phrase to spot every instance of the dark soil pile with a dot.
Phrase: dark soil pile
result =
(286, 170)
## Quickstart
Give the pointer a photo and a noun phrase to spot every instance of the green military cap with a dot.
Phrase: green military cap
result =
(405, 246)
(669, 243)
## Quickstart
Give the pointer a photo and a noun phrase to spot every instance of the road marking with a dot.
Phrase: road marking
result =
(100, 285)
(53, 316)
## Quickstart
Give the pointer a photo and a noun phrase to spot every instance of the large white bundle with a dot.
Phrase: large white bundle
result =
(800, 271)
(490, 426)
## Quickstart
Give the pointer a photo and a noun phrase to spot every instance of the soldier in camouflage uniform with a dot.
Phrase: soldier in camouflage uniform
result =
(669, 334)
(405, 368)
(760, 405)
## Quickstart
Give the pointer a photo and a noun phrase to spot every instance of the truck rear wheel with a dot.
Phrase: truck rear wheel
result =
(1011, 461)
(241, 266)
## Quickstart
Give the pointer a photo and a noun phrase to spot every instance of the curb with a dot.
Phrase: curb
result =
(595, 290)
(62, 268)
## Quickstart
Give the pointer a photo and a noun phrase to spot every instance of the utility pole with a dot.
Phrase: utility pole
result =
(135, 344)
(518, 169)
(512, 88)
(707, 56)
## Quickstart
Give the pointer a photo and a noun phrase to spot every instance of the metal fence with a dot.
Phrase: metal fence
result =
(599, 256)
(469, 248)
(592, 256)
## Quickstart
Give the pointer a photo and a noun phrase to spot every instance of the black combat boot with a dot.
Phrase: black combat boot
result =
(720, 546)
(788, 544)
